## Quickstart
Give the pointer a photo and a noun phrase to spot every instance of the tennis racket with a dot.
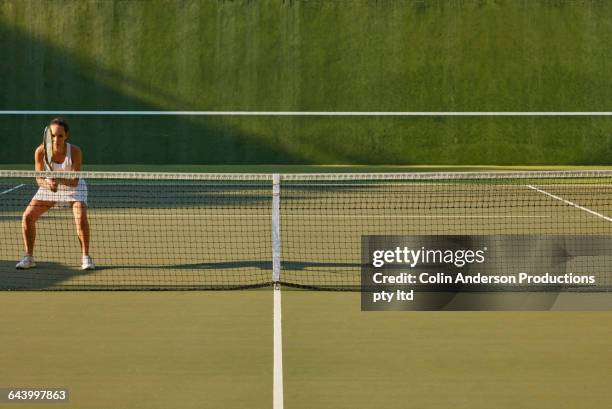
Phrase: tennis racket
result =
(48, 148)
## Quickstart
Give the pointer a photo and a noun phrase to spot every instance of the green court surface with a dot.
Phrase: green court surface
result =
(140, 350)
(211, 349)
(338, 357)
(214, 350)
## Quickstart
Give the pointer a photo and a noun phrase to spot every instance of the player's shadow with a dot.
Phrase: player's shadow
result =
(45, 276)
(56, 276)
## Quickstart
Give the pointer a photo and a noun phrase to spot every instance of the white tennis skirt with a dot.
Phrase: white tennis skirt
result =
(65, 195)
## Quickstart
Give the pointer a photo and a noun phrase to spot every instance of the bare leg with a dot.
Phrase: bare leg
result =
(28, 222)
(79, 210)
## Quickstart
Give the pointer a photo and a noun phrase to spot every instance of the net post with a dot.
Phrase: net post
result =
(276, 238)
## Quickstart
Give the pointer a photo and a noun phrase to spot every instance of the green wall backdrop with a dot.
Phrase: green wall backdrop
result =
(343, 55)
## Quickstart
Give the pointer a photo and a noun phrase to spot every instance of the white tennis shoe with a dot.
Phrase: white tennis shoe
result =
(87, 263)
(25, 263)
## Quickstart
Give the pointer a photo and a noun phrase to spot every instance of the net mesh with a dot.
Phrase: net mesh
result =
(207, 231)
(148, 231)
(324, 216)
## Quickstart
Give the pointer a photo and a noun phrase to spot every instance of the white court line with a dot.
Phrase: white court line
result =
(577, 206)
(300, 113)
(586, 184)
(277, 382)
(414, 184)
(10, 190)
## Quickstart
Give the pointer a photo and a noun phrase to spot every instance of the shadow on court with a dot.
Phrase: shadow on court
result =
(50, 275)
(264, 265)
(46, 275)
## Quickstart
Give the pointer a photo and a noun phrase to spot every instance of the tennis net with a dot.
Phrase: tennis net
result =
(228, 231)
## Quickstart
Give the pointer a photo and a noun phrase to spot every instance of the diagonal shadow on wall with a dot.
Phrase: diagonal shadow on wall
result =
(38, 75)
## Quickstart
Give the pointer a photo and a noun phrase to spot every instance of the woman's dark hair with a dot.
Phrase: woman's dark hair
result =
(61, 122)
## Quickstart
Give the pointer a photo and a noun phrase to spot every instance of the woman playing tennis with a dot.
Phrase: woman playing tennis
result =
(62, 192)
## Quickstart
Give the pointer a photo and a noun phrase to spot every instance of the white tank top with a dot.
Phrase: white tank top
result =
(64, 194)
(66, 165)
